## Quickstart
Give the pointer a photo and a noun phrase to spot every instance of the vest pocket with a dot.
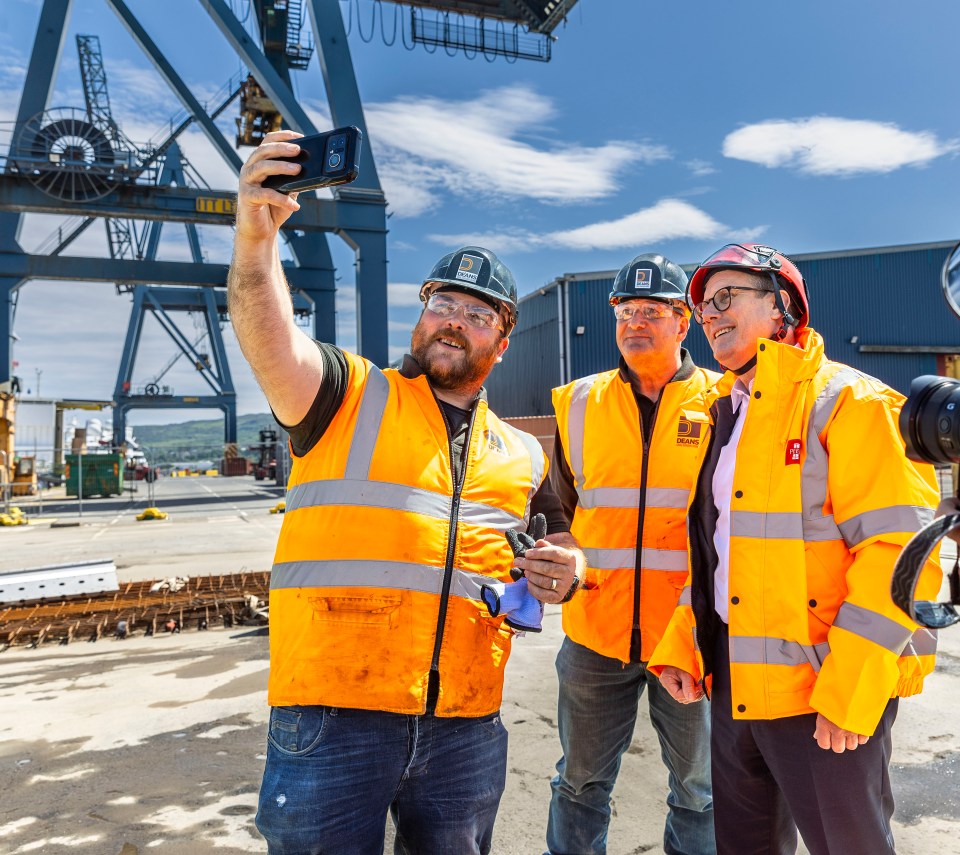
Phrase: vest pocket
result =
(380, 611)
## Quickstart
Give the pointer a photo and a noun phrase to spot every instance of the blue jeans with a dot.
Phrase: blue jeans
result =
(332, 775)
(597, 714)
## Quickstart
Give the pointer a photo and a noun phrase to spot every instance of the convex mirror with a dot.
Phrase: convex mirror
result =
(950, 280)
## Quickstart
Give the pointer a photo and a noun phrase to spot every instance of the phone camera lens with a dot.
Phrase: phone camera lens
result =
(334, 160)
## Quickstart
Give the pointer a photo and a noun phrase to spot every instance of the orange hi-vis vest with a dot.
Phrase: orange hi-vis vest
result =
(823, 500)
(623, 485)
(381, 554)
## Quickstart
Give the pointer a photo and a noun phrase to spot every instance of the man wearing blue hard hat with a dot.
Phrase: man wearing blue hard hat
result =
(624, 462)
(391, 605)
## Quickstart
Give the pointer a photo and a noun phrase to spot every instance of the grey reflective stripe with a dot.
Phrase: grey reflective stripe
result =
(813, 478)
(372, 404)
(667, 497)
(538, 465)
(686, 597)
(397, 575)
(674, 498)
(576, 419)
(650, 559)
(610, 559)
(777, 651)
(399, 497)
(922, 643)
(748, 650)
(890, 520)
(873, 626)
(476, 513)
(820, 529)
(608, 497)
(780, 525)
(663, 559)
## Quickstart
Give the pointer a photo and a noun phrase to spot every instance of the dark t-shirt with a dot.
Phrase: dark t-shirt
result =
(333, 389)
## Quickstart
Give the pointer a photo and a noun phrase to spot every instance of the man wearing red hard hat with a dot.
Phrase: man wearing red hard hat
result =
(803, 502)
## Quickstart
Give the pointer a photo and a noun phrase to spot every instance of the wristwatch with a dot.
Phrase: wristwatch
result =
(574, 587)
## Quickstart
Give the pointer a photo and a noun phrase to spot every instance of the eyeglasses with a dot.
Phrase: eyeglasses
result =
(722, 299)
(647, 311)
(477, 316)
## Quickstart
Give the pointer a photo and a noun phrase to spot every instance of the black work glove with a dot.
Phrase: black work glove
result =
(521, 541)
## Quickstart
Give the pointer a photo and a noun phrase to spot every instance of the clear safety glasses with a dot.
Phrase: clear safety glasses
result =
(642, 309)
(481, 317)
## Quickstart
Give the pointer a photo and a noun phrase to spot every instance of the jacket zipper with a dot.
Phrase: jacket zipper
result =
(695, 589)
(636, 636)
(452, 535)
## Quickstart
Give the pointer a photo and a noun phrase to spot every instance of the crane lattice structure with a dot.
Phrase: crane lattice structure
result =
(75, 162)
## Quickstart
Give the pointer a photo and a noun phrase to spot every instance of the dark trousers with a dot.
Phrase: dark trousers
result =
(771, 778)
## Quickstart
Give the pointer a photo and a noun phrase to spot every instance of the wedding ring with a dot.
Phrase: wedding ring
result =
(553, 585)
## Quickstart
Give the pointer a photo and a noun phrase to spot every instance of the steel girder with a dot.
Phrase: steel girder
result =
(357, 214)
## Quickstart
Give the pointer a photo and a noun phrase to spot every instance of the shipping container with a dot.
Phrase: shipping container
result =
(231, 466)
(101, 474)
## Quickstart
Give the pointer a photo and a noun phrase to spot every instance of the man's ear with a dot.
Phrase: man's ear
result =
(502, 348)
(684, 328)
(787, 300)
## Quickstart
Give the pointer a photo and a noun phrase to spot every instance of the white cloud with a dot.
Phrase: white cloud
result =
(825, 145)
(473, 147)
(403, 295)
(668, 219)
(700, 167)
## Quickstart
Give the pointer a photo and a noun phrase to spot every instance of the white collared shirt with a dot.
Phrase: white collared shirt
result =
(722, 496)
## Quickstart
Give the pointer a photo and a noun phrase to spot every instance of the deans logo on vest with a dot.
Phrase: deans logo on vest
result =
(469, 267)
(793, 452)
(495, 443)
(688, 432)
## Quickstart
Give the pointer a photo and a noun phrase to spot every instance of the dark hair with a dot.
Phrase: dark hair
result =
(762, 281)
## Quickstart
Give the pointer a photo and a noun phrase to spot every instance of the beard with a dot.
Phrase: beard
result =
(454, 371)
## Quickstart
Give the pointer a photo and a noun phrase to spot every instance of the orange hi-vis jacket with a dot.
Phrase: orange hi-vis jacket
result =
(381, 556)
(823, 499)
(625, 486)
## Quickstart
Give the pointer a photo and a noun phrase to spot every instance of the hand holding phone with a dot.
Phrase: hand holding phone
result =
(326, 160)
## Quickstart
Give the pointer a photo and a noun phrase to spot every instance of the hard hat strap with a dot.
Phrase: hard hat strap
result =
(787, 320)
(743, 369)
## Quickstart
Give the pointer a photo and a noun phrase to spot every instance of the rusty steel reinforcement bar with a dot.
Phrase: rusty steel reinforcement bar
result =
(200, 601)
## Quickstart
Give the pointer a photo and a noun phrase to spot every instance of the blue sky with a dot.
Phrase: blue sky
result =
(674, 127)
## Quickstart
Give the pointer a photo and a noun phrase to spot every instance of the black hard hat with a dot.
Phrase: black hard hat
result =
(653, 277)
(477, 271)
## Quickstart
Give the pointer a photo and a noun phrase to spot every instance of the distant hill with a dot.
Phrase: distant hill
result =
(198, 440)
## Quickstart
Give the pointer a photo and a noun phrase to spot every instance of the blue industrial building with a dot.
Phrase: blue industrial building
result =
(880, 310)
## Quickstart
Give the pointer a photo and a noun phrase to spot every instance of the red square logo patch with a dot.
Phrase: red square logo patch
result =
(793, 452)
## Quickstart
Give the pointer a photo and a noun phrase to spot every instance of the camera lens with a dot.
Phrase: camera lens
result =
(334, 160)
(930, 420)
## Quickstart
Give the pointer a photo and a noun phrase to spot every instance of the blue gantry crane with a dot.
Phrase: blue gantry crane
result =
(74, 161)
(77, 162)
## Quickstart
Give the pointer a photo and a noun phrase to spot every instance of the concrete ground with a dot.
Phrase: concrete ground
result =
(123, 748)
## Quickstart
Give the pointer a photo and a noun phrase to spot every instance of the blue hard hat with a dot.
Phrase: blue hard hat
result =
(476, 270)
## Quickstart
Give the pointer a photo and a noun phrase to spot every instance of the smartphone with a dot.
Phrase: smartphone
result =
(326, 160)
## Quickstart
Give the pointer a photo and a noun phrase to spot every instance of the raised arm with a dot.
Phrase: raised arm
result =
(284, 360)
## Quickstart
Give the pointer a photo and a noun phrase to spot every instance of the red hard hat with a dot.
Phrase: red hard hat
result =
(757, 259)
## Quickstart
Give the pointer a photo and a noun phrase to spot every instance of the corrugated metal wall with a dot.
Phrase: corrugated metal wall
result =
(521, 384)
(880, 298)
